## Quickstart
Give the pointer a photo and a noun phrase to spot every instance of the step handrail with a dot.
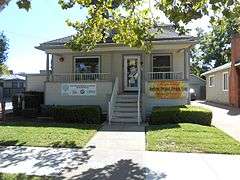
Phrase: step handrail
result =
(112, 101)
(139, 97)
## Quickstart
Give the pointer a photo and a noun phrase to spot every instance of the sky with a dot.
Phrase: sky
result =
(44, 22)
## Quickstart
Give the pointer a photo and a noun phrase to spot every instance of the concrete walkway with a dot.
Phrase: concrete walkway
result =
(225, 118)
(120, 136)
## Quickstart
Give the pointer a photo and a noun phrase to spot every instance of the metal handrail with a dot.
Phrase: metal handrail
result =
(139, 98)
(165, 75)
(112, 101)
(75, 77)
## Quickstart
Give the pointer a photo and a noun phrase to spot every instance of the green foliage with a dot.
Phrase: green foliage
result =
(3, 48)
(129, 22)
(214, 48)
(80, 114)
(181, 114)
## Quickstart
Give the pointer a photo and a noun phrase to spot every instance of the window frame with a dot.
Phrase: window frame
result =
(209, 83)
(82, 57)
(163, 54)
(223, 74)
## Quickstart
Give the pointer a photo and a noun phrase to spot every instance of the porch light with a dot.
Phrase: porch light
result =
(61, 59)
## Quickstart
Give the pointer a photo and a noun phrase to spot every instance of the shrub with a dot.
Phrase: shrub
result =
(80, 114)
(181, 114)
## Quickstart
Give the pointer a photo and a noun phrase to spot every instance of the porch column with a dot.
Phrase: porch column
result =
(186, 64)
(47, 67)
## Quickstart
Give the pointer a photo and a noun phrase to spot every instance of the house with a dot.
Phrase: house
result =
(223, 82)
(199, 85)
(126, 82)
(11, 84)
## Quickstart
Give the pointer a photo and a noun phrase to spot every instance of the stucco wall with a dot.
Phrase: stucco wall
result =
(149, 101)
(35, 82)
(53, 96)
(216, 93)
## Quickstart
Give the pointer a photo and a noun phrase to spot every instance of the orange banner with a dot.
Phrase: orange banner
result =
(168, 89)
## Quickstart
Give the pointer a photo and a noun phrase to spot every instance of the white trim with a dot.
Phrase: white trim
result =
(82, 57)
(211, 76)
(226, 72)
(162, 54)
(126, 57)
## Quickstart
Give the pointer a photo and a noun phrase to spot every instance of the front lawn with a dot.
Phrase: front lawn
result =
(6, 176)
(46, 134)
(185, 137)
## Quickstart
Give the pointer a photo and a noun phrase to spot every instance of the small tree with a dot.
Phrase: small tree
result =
(3, 53)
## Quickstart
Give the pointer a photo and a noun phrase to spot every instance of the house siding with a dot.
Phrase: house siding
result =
(53, 95)
(216, 93)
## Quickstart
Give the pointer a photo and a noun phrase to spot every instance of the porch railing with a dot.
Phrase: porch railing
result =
(165, 76)
(76, 77)
(112, 101)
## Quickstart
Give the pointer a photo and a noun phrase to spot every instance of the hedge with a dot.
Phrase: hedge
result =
(79, 114)
(181, 114)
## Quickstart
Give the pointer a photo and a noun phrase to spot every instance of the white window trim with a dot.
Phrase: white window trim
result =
(82, 57)
(223, 81)
(163, 54)
(211, 76)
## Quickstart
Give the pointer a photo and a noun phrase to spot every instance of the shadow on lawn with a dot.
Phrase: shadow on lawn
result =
(24, 177)
(56, 161)
(163, 126)
(122, 169)
(11, 143)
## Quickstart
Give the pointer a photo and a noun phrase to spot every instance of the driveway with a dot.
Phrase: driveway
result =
(225, 118)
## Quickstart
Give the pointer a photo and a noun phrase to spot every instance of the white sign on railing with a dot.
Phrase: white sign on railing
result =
(74, 89)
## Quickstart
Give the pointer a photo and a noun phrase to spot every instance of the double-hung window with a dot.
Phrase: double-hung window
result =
(211, 81)
(161, 63)
(225, 81)
(87, 64)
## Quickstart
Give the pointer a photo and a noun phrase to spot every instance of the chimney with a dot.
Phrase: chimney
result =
(234, 77)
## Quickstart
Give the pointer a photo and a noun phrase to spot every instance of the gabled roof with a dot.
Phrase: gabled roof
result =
(168, 34)
(11, 77)
(220, 68)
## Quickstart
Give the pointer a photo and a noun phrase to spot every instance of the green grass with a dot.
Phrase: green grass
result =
(46, 134)
(6, 176)
(185, 137)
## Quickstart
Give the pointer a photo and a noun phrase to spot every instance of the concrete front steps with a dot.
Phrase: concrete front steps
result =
(125, 109)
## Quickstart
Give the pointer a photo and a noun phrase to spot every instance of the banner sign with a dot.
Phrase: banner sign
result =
(68, 89)
(167, 89)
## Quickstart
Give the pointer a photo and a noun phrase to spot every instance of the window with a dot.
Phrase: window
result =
(87, 64)
(14, 84)
(211, 81)
(161, 63)
(225, 81)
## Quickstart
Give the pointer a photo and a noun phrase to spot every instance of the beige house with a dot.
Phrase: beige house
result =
(126, 82)
(217, 84)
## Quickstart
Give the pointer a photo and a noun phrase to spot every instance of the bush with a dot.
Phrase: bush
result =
(80, 114)
(181, 114)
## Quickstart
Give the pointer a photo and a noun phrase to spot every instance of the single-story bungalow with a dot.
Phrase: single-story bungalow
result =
(126, 82)
(223, 82)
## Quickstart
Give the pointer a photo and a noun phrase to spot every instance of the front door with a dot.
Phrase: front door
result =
(131, 72)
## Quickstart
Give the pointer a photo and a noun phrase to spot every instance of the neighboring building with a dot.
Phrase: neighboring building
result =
(128, 79)
(36, 82)
(199, 85)
(223, 82)
(11, 84)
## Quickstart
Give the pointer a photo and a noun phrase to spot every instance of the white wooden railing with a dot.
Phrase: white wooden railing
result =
(112, 101)
(165, 75)
(139, 98)
(76, 77)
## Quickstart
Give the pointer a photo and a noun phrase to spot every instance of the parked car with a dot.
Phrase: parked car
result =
(193, 94)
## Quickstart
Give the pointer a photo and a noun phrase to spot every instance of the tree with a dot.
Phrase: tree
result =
(128, 23)
(3, 53)
(214, 48)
